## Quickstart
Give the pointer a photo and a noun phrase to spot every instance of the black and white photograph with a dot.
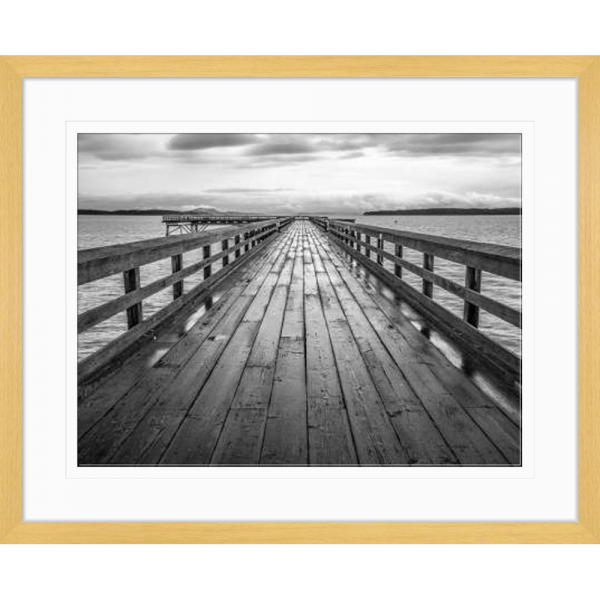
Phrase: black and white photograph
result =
(299, 299)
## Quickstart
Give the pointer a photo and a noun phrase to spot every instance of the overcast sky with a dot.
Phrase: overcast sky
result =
(291, 173)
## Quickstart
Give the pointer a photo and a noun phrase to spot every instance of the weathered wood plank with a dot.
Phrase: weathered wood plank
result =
(293, 324)
(154, 431)
(467, 440)
(177, 265)
(131, 281)
(408, 346)
(505, 435)
(415, 429)
(95, 403)
(498, 426)
(286, 431)
(428, 262)
(264, 351)
(329, 435)
(197, 438)
(392, 332)
(375, 439)
(93, 406)
(241, 439)
(101, 441)
(254, 271)
(482, 348)
(374, 436)
(299, 363)
(224, 248)
(482, 409)
(172, 395)
(117, 348)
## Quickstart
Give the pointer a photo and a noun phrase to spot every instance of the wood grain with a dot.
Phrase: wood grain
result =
(300, 533)
(589, 290)
(13, 68)
(374, 393)
(10, 299)
(299, 66)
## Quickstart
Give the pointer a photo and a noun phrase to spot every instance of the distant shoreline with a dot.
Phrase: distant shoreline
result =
(445, 211)
(151, 212)
(127, 213)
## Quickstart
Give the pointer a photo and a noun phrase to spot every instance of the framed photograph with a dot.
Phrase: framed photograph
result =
(299, 299)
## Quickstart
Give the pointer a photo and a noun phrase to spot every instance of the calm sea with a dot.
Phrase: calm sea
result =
(105, 230)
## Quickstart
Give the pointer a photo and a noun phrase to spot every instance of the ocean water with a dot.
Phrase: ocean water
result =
(94, 231)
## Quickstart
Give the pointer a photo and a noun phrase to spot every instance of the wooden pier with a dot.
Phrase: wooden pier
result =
(295, 350)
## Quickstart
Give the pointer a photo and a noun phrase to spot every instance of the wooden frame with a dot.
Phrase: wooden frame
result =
(14, 68)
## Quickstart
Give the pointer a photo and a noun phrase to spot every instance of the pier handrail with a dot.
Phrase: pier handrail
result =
(237, 242)
(184, 218)
(477, 257)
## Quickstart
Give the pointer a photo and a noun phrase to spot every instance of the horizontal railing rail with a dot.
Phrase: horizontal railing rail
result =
(236, 242)
(216, 218)
(374, 245)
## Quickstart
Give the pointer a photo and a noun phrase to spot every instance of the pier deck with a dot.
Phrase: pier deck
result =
(299, 362)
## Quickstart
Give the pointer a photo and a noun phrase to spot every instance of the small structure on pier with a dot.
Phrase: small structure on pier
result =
(195, 223)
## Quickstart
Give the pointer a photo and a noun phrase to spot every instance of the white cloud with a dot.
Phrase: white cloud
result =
(299, 172)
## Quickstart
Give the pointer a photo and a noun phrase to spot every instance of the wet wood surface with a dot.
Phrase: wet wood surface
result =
(300, 362)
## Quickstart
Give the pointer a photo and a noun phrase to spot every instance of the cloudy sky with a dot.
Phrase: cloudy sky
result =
(291, 173)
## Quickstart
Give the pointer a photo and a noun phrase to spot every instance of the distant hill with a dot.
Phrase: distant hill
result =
(150, 212)
(446, 211)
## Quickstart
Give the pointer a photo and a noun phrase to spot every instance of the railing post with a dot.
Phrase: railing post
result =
(205, 255)
(357, 234)
(368, 250)
(252, 234)
(224, 246)
(176, 265)
(131, 280)
(236, 241)
(397, 267)
(472, 282)
(380, 247)
(428, 266)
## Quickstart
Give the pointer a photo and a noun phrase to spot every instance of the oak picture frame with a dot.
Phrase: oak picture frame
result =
(12, 527)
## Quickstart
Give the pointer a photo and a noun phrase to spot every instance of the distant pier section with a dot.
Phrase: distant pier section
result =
(196, 223)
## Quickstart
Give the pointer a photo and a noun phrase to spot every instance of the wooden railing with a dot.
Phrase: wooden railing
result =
(236, 243)
(372, 245)
(191, 218)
